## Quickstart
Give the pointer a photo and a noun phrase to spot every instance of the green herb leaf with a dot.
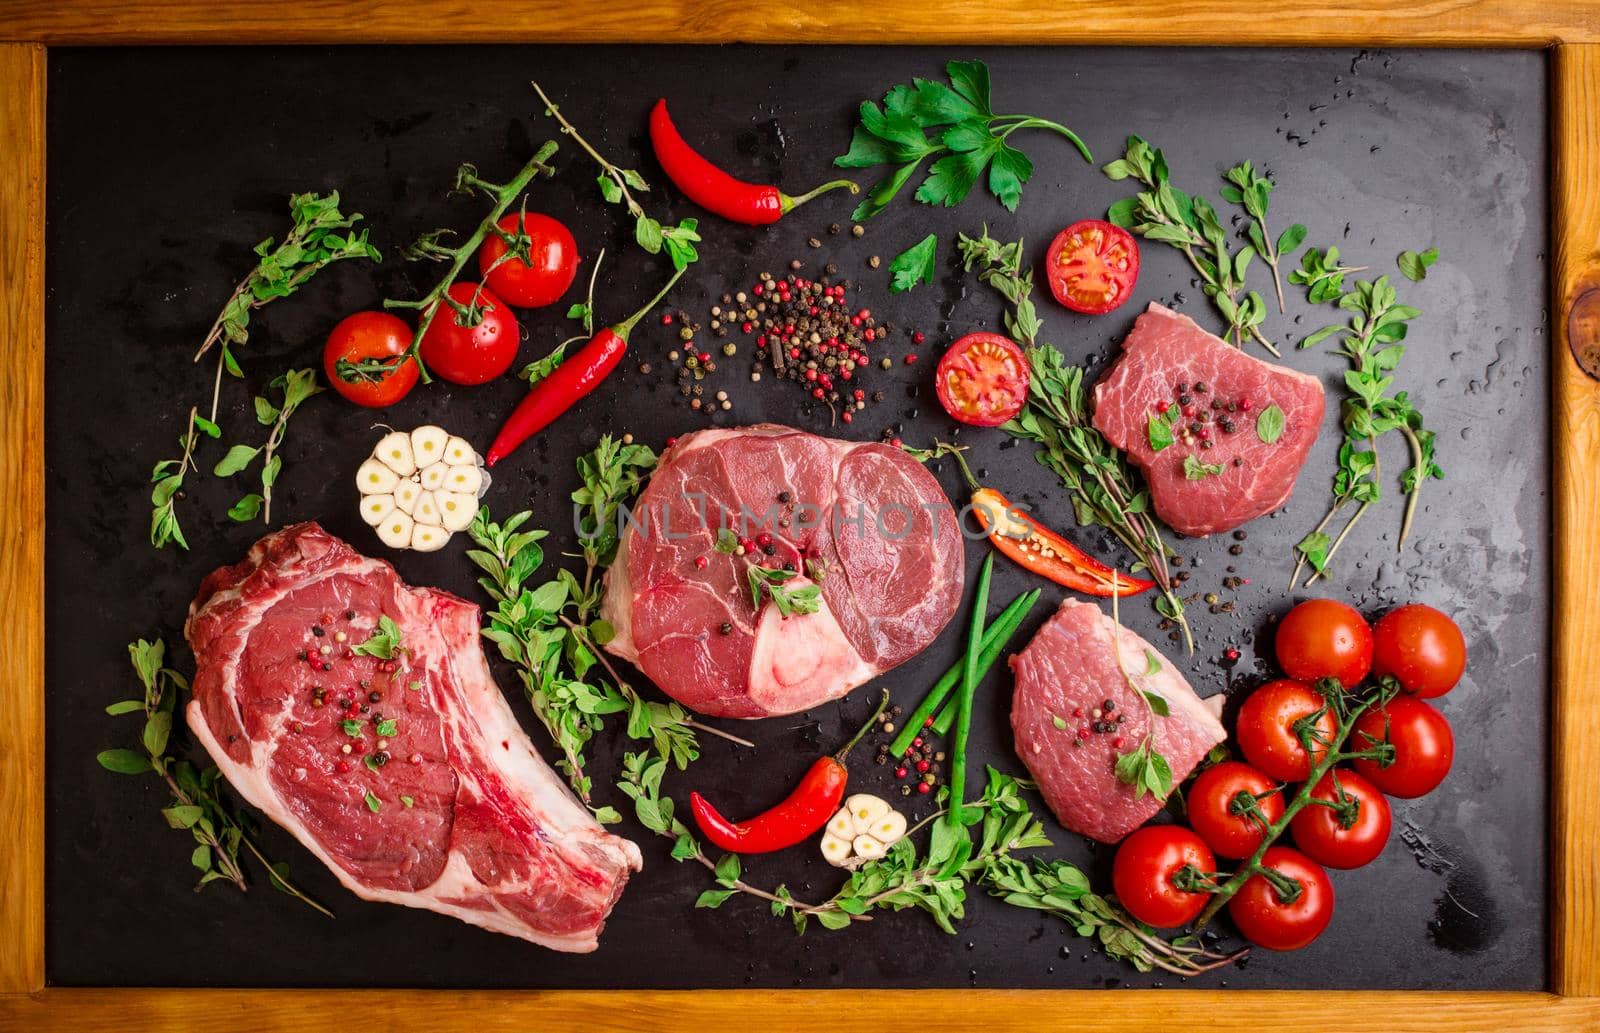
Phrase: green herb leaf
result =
(537, 370)
(1414, 265)
(123, 762)
(373, 803)
(1159, 428)
(727, 542)
(388, 728)
(353, 727)
(1269, 424)
(407, 802)
(246, 509)
(238, 457)
(914, 265)
(384, 641)
(1158, 703)
(1194, 469)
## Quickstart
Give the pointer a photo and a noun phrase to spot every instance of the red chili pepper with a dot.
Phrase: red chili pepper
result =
(568, 382)
(803, 811)
(1041, 550)
(755, 204)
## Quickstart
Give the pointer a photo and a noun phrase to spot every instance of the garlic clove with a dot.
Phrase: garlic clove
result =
(842, 825)
(865, 809)
(458, 453)
(405, 496)
(374, 478)
(395, 531)
(427, 445)
(835, 851)
(889, 829)
(375, 507)
(394, 451)
(867, 848)
(426, 538)
(427, 510)
(433, 477)
(465, 479)
(456, 510)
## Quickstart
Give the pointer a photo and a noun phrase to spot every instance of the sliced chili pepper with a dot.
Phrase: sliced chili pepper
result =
(755, 204)
(804, 811)
(568, 382)
(1037, 548)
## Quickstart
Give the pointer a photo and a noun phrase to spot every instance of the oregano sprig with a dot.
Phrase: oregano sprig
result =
(219, 830)
(1190, 224)
(1370, 340)
(1252, 191)
(296, 385)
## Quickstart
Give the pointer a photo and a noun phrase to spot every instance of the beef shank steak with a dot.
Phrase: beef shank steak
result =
(441, 801)
(1192, 412)
(1073, 665)
(864, 522)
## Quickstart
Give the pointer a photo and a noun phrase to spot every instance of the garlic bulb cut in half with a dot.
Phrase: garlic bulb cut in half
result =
(419, 488)
(863, 830)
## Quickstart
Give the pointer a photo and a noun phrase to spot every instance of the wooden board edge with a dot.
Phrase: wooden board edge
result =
(22, 169)
(1575, 683)
(58, 1010)
(1513, 23)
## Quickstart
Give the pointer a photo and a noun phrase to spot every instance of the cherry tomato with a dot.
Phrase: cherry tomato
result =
(1322, 638)
(1092, 266)
(1347, 837)
(1421, 647)
(1143, 871)
(471, 354)
(1267, 729)
(1212, 802)
(541, 281)
(983, 379)
(1424, 747)
(1267, 920)
(359, 345)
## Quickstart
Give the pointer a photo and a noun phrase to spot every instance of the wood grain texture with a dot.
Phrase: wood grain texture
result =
(22, 86)
(738, 1011)
(1189, 22)
(1575, 852)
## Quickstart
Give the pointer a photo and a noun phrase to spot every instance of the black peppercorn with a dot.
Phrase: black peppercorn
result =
(726, 628)
(380, 758)
(375, 696)
(316, 631)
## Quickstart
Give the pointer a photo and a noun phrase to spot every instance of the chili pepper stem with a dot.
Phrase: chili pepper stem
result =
(624, 328)
(789, 204)
(861, 732)
(941, 449)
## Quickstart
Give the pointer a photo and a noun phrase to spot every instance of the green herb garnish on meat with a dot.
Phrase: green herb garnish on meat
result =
(954, 125)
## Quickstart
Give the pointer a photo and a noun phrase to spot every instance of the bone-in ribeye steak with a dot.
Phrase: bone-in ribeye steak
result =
(877, 523)
(463, 818)
(1199, 490)
(1070, 666)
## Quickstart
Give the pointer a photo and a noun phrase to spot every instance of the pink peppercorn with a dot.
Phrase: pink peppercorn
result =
(924, 788)
(700, 562)
(923, 766)
(901, 772)
(918, 337)
(666, 319)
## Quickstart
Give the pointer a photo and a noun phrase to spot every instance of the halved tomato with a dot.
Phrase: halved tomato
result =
(983, 379)
(1092, 266)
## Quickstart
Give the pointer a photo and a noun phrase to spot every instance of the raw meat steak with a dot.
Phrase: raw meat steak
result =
(463, 818)
(1071, 665)
(1197, 490)
(870, 515)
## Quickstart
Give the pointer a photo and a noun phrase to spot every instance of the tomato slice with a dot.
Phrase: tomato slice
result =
(983, 379)
(1092, 266)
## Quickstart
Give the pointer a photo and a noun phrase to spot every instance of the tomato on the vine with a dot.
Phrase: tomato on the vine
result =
(1230, 805)
(471, 354)
(1324, 638)
(365, 359)
(1143, 871)
(1424, 746)
(1349, 834)
(1268, 733)
(552, 265)
(1092, 266)
(1421, 647)
(1267, 919)
(983, 379)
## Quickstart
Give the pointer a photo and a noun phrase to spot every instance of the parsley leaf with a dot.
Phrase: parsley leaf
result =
(915, 264)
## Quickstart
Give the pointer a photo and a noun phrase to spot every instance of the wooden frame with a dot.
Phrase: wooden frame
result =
(1571, 28)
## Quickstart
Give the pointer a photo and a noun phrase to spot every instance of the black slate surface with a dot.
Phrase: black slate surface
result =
(167, 165)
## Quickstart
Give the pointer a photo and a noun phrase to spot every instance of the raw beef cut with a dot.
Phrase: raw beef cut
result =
(441, 801)
(1214, 393)
(1071, 667)
(866, 521)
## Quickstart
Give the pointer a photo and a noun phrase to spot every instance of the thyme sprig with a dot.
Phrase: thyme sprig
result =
(313, 242)
(219, 830)
(1189, 223)
(934, 880)
(430, 247)
(1057, 418)
(1370, 340)
(296, 385)
(617, 184)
